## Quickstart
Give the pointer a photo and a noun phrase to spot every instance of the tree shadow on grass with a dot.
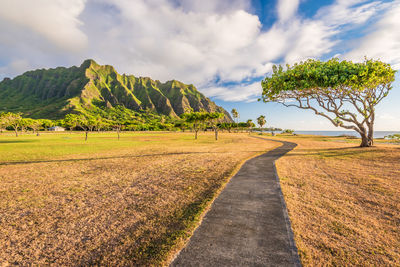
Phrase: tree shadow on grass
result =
(336, 152)
(113, 157)
(16, 141)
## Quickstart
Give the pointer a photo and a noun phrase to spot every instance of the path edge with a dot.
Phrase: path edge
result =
(292, 243)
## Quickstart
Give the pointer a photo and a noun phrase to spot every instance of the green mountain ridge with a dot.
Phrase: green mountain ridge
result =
(53, 93)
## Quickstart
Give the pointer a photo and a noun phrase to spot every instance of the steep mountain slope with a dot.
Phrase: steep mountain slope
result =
(55, 92)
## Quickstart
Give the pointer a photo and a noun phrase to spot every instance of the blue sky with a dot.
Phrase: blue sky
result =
(225, 48)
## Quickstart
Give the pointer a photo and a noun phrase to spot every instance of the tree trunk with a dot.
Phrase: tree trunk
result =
(195, 134)
(371, 136)
(16, 132)
(371, 128)
(118, 133)
(216, 133)
(364, 140)
(86, 133)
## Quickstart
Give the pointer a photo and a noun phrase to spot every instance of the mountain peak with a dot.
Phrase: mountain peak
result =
(87, 63)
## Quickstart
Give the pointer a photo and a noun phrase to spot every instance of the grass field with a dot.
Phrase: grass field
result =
(64, 201)
(343, 201)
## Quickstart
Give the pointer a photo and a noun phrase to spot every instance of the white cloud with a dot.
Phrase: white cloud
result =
(311, 39)
(175, 43)
(213, 6)
(197, 42)
(383, 42)
(40, 34)
(287, 9)
(54, 20)
(248, 93)
(348, 12)
(16, 66)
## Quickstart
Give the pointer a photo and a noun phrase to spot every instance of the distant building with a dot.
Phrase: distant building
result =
(56, 129)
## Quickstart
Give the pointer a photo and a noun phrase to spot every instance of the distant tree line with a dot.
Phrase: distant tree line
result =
(120, 119)
(116, 121)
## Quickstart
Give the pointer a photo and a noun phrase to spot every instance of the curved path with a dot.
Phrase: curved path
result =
(247, 224)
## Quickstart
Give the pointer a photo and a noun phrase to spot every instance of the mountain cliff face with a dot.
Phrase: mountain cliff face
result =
(53, 93)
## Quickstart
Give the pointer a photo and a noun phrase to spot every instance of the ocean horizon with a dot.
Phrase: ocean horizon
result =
(377, 134)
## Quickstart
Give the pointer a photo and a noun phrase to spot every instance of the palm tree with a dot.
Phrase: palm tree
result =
(261, 121)
(235, 115)
(250, 125)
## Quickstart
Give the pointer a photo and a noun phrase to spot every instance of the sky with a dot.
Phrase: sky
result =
(223, 47)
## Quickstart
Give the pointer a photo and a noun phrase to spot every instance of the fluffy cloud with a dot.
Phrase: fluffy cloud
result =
(56, 21)
(158, 39)
(349, 12)
(40, 33)
(287, 9)
(208, 43)
(213, 6)
(236, 93)
(384, 41)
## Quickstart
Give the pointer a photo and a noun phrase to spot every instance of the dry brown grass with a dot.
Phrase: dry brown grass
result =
(343, 202)
(125, 206)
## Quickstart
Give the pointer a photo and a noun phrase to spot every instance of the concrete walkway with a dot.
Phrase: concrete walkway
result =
(247, 224)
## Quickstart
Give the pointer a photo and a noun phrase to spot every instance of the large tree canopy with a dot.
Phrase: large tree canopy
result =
(344, 92)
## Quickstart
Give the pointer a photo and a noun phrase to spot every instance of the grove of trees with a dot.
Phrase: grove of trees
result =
(200, 120)
(119, 121)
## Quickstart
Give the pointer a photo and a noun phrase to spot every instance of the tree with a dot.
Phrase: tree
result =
(261, 121)
(3, 123)
(181, 125)
(99, 123)
(25, 123)
(241, 126)
(12, 120)
(235, 115)
(213, 118)
(250, 125)
(118, 124)
(196, 119)
(71, 121)
(343, 92)
(227, 126)
(288, 131)
(86, 123)
(47, 124)
(35, 125)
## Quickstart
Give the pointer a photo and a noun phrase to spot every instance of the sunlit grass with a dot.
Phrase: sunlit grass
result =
(343, 201)
(133, 201)
(59, 145)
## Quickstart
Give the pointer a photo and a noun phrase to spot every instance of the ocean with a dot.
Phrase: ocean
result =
(377, 134)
